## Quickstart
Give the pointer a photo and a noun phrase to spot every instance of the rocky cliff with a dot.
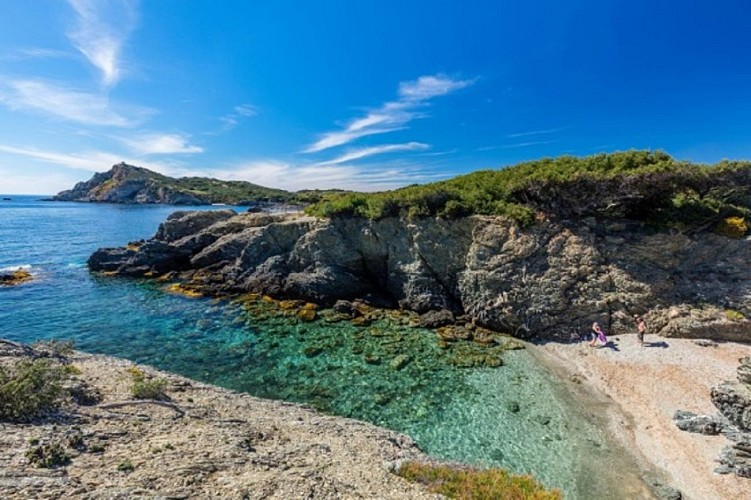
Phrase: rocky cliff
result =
(550, 280)
(125, 183)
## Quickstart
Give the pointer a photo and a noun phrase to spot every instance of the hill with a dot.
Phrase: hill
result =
(125, 183)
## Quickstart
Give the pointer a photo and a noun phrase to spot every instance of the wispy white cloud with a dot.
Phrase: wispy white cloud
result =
(537, 132)
(394, 115)
(95, 161)
(100, 31)
(526, 144)
(314, 176)
(246, 110)
(515, 145)
(71, 104)
(440, 153)
(375, 150)
(240, 112)
(161, 144)
(21, 178)
(36, 53)
(430, 86)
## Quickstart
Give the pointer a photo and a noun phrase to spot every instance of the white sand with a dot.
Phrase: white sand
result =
(647, 385)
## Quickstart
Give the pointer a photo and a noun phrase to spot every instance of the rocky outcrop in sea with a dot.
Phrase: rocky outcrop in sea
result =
(551, 280)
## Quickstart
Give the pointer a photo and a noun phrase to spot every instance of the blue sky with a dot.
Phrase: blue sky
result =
(363, 95)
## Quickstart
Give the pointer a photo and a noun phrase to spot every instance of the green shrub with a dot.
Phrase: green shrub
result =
(30, 387)
(96, 448)
(125, 466)
(642, 185)
(146, 388)
(48, 456)
(474, 484)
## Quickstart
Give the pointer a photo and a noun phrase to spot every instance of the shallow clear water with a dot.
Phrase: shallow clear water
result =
(459, 414)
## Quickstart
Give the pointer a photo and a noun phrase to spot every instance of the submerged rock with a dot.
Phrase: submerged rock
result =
(400, 362)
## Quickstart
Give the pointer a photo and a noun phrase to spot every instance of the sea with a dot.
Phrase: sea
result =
(519, 416)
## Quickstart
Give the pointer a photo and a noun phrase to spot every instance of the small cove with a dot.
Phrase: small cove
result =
(518, 416)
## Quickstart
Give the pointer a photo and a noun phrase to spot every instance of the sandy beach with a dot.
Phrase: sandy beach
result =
(646, 386)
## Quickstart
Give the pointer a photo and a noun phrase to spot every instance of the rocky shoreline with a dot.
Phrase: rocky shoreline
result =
(200, 441)
(646, 386)
(549, 281)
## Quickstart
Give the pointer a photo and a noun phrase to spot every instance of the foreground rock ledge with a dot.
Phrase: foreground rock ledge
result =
(225, 445)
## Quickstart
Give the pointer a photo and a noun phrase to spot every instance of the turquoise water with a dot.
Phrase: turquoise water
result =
(516, 416)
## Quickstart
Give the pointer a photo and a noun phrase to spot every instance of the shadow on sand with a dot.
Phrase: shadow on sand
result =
(610, 345)
(661, 344)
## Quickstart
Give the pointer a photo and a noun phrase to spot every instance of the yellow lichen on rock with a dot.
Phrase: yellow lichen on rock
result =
(178, 289)
(15, 277)
(306, 314)
(732, 227)
(288, 305)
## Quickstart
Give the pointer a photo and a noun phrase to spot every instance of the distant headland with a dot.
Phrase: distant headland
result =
(130, 184)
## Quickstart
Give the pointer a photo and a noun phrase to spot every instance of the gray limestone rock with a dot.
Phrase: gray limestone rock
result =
(701, 424)
(544, 281)
(744, 370)
(733, 399)
(435, 319)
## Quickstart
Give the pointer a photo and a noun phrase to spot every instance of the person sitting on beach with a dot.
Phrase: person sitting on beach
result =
(641, 327)
(598, 334)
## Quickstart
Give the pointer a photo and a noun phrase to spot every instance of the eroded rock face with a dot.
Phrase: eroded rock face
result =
(549, 280)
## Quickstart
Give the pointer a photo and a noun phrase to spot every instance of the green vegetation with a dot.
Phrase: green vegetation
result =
(96, 448)
(230, 192)
(474, 484)
(146, 388)
(59, 347)
(641, 185)
(734, 315)
(29, 388)
(48, 456)
(126, 466)
(210, 190)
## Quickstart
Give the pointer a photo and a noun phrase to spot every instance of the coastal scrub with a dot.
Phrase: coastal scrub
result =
(475, 484)
(30, 387)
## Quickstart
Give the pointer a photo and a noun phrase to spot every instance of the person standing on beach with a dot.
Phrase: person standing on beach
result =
(598, 334)
(641, 327)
